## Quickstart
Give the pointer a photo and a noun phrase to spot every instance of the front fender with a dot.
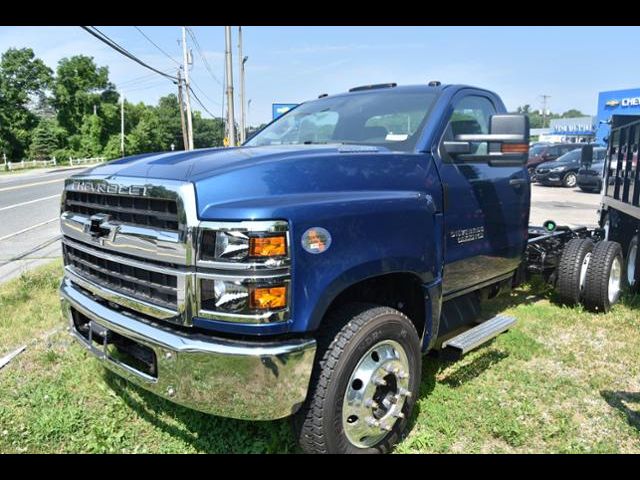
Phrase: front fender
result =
(376, 234)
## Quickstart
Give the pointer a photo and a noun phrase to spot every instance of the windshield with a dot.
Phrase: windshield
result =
(572, 156)
(389, 118)
(537, 150)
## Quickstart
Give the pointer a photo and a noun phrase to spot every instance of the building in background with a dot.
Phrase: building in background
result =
(618, 102)
(570, 130)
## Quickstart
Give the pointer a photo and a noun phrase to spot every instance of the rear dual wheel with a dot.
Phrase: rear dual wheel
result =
(591, 273)
(604, 280)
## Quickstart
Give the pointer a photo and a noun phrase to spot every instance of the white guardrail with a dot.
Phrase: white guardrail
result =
(31, 164)
(85, 161)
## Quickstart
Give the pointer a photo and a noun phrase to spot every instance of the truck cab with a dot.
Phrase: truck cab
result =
(306, 272)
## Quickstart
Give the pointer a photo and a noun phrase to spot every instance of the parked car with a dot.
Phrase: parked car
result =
(564, 170)
(547, 152)
(590, 178)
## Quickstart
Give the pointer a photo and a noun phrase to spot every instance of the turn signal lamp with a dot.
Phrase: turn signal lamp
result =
(271, 246)
(515, 148)
(268, 298)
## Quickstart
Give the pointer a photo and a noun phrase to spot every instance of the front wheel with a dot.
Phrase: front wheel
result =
(364, 384)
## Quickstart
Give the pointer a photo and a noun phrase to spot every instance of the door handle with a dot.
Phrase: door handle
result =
(516, 182)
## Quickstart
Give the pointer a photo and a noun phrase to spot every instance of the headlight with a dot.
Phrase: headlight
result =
(243, 271)
(243, 246)
(243, 297)
(558, 169)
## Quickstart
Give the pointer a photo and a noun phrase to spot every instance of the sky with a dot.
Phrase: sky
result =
(294, 64)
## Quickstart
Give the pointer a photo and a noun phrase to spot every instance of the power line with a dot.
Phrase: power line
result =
(201, 53)
(155, 45)
(204, 93)
(200, 103)
(105, 39)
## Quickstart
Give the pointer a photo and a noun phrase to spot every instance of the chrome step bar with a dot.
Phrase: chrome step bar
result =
(457, 346)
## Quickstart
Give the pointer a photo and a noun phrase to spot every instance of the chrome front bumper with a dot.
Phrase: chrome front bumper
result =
(246, 380)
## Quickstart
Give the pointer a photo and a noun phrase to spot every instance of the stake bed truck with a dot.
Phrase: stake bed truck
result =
(306, 272)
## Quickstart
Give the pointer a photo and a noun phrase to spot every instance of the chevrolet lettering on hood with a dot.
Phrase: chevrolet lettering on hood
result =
(108, 188)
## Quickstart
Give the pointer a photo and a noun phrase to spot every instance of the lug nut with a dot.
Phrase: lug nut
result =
(380, 381)
(398, 415)
(371, 403)
(404, 392)
(372, 422)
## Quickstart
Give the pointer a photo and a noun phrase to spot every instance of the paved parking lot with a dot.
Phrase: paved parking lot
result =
(566, 206)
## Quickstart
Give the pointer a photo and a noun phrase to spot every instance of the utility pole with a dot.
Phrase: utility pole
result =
(186, 83)
(544, 110)
(229, 76)
(185, 138)
(242, 60)
(122, 124)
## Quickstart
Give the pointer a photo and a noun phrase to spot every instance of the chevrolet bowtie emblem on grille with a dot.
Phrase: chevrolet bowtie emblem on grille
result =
(99, 227)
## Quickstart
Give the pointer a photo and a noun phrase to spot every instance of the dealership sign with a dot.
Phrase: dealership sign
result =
(625, 102)
(573, 126)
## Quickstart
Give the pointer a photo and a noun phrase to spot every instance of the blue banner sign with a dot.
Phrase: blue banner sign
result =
(281, 108)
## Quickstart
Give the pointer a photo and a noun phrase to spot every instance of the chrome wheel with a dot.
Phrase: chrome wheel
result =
(583, 270)
(376, 393)
(614, 280)
(632, 261)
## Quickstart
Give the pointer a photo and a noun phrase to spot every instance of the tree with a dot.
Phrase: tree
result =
(44, 140)
(573, 113)
(22, 76)
(79, 86)
(207, 132)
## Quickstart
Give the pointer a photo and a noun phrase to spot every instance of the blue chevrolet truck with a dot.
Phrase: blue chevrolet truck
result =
(307, 272)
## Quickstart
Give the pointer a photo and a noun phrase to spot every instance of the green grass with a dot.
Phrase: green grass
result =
(562, 380)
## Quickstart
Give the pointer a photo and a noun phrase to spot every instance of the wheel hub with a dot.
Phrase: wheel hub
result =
(376, 394)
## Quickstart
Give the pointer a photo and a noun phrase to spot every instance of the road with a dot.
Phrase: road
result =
(566, 206)
(30, 202)
(29, 211)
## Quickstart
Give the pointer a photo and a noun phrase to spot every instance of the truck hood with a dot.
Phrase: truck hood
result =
(204, 163)
(272, 181)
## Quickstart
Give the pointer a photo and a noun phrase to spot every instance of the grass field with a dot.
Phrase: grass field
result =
(562, 380)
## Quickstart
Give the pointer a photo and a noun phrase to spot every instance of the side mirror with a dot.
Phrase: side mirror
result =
(507, 142)
(586, 156)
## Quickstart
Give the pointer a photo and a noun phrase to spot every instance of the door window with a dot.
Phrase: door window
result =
(472, 114)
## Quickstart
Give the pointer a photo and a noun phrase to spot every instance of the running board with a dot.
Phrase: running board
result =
(456, 347)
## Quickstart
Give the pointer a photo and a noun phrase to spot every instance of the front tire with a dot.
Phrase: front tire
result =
(364, 384)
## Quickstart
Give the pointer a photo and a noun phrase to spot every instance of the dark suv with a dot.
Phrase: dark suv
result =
(546, 153)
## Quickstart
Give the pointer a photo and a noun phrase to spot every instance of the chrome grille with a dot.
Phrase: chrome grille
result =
(149, 212)
(150, 286)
